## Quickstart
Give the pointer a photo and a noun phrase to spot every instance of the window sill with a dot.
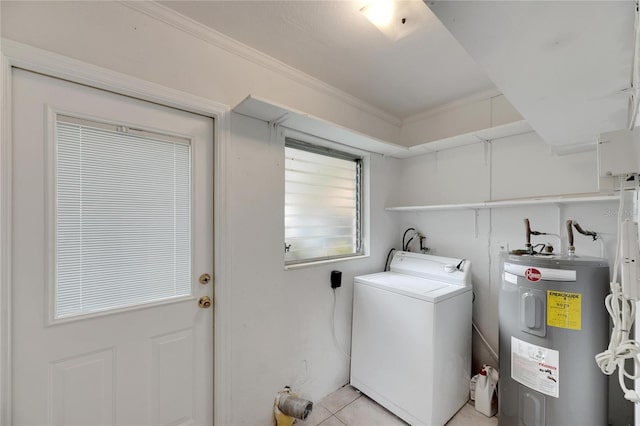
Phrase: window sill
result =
(322, 262)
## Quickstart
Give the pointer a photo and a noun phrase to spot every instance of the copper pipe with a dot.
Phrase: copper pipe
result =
(592, 234)
(570, 232)
(529, 233)
(527, 227)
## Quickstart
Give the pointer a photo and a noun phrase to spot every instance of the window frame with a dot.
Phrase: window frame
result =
(361, 211)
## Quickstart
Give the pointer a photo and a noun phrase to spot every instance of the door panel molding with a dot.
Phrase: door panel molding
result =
(18, 55)
(91, 377)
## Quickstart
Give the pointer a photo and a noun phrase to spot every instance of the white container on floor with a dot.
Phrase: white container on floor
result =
(472, 387)
(485, 390)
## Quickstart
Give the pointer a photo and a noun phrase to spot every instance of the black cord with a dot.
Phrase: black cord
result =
(386, 264)
(406, 247)
(541, 244)
(405, 236)
(460, 265)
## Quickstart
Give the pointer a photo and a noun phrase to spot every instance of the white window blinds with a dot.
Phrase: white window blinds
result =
(123, 217)
(322, 203)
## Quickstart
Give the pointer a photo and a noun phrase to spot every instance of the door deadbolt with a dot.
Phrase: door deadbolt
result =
(204, 279)
(204, 302)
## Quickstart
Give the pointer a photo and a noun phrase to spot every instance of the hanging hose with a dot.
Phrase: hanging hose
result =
(574, 224)
(404, 236)
(592, 234)
(622, 311)
(386, 264)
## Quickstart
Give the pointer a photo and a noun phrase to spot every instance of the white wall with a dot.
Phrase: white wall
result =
(513, 167)
(523, 166)
(282, 318)
(281, 331)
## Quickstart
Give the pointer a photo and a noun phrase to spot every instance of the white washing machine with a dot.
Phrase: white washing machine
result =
(411, 340)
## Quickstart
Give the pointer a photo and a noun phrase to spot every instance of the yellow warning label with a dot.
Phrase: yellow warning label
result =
(564, 310)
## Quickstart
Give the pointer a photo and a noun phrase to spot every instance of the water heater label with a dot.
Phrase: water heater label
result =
(536, 367)
(564, 310)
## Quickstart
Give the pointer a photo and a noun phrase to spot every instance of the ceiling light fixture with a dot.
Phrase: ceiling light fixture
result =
(379, 12)
(397, 19)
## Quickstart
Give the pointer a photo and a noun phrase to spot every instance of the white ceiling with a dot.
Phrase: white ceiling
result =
(334, 42)
(564, 65)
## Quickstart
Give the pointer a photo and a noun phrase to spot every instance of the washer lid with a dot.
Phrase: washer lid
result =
(409, 285)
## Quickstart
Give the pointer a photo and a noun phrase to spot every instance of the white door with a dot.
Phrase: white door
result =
(112, 209)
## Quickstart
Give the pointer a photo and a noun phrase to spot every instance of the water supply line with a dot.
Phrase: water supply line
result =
(527, 229)
(404, 236)
(416, 234)
(592, 234)
(571, 249)
(574, 224)
(386, 263)
(528, 233)
(423, 249)
(484, 340)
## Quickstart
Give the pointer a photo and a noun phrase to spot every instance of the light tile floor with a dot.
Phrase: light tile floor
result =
(348, 407)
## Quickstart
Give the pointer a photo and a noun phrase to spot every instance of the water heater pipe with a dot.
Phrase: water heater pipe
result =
(527, 228)
(583, 232)
(529, 233)
(571, 249)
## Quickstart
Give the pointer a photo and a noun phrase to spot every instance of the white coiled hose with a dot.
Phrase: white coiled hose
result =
(622, 311)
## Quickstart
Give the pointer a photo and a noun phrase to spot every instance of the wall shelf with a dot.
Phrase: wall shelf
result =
(307, 124)
(491, 133)
(299, 121)
(562, 199)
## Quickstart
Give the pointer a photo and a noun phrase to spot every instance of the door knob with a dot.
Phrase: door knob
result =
(204, 302)
(204, 279)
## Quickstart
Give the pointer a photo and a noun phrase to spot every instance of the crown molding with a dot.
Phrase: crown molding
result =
(476, 97)
(222, 41)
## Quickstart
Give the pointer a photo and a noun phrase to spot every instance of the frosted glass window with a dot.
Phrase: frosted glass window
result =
(123, 217)
(322, 203)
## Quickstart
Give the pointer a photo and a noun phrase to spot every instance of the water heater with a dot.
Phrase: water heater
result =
(552, 323)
